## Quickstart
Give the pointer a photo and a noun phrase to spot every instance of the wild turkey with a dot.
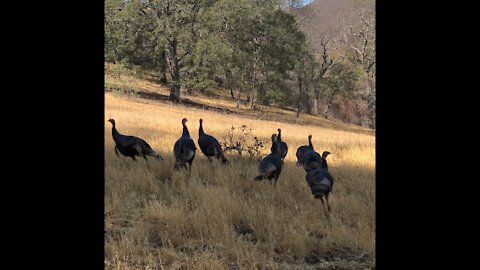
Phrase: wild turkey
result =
(312, 160)
(280, 145)
(302, 149)
(271, 166)
(209, 145)
(320, 182)
(184, 149)
(131, 146)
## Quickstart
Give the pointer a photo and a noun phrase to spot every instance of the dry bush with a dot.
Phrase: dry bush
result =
(242, 140)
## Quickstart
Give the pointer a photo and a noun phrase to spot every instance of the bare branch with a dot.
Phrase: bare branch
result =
(369, 67)
(185, 54)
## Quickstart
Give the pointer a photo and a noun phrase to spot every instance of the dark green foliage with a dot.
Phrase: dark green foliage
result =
(253, 49)
(245, 45)
(343, 79)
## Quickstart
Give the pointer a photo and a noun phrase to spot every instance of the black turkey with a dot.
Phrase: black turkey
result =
(184, 149)
(131, 146)
(209, 145)
(280, 145)
(303, 149)
(271, 166)
(312, 160)
(320, 182)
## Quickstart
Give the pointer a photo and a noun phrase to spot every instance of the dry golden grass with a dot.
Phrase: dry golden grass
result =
(142, 82)
(218, 217)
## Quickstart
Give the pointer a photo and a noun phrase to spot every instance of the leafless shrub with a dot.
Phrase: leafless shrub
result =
(242, 140)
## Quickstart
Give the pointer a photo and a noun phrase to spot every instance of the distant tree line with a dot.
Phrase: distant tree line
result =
(251, 48)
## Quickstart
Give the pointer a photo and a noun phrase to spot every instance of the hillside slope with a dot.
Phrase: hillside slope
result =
(217, 217)
(328, 18)
(144, 86)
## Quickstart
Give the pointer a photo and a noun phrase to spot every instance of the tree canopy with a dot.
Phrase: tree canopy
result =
(254, 49)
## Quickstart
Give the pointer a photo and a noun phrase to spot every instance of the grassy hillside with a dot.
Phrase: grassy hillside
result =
(144, 85)
(218, 217)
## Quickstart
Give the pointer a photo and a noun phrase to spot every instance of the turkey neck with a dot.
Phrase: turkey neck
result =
(275, 150)
(310, 143)
(185, 131)
(324, 163)
(115, 133)
(279, 137)
(200, 131)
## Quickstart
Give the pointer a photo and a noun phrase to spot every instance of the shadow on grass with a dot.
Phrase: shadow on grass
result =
(256, 114)
(186, 102)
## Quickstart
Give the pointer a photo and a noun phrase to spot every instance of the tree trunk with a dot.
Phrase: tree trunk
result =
(251, 100)
(359, 113)
(172, 59)
(163, 77)
(254, 75)
(325, 113)
(314, 106)
(231, 93)
(163, 69)
(300, 94)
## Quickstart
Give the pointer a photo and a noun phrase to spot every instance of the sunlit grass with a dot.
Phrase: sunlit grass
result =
(222, 100)
(218, 217)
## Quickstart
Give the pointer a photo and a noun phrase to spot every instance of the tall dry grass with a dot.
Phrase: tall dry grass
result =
(217, 217)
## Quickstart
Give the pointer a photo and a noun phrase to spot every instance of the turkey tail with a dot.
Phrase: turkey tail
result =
(178, 153)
